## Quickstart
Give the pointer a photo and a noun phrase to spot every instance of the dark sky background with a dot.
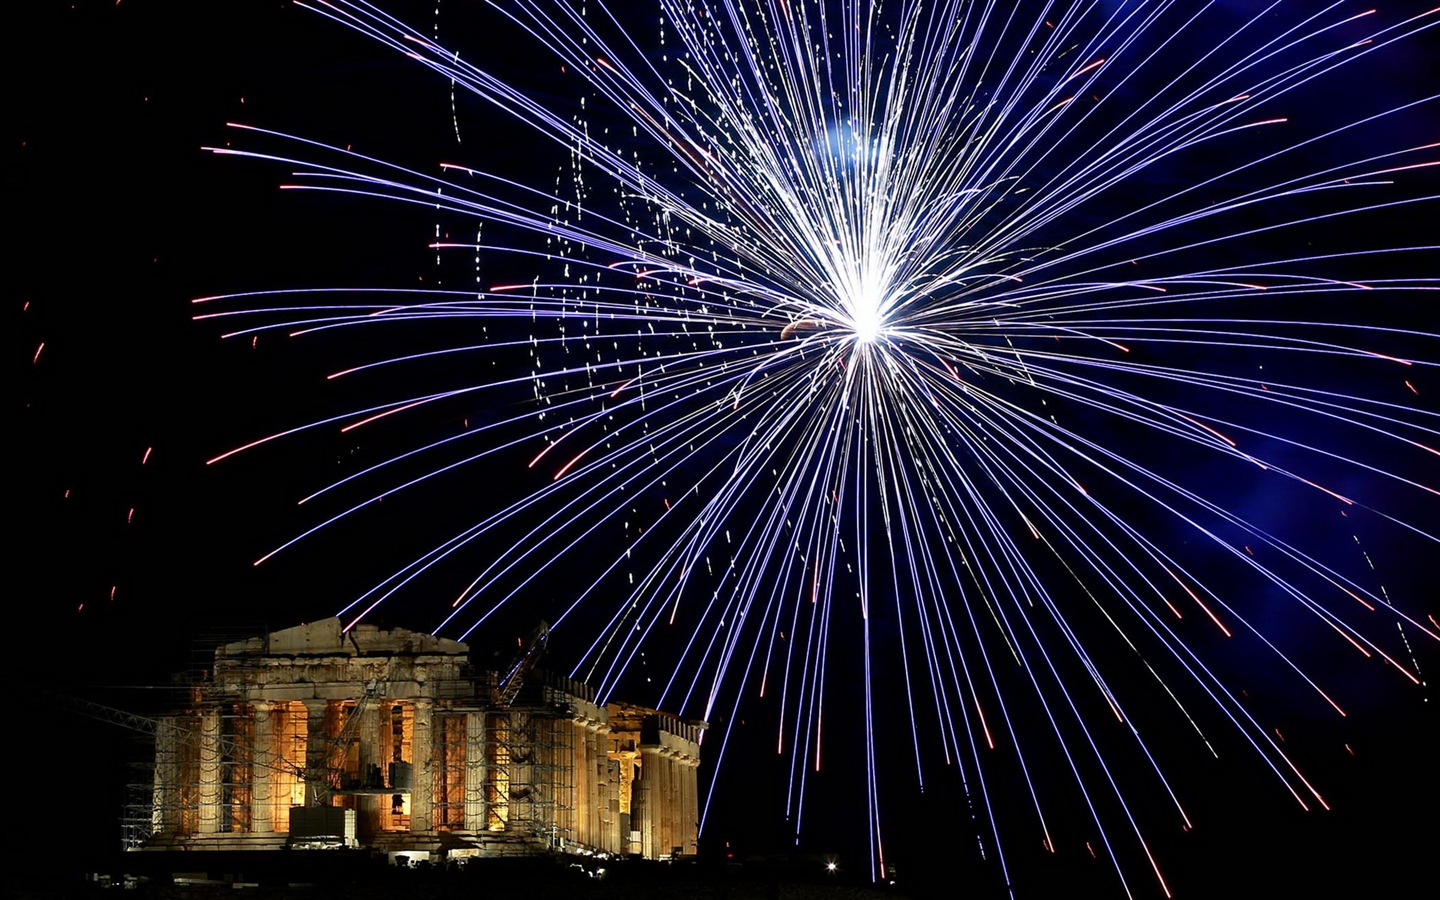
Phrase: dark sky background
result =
(129, 549)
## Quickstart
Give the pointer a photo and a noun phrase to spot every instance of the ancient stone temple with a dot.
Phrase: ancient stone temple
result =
(314, 737)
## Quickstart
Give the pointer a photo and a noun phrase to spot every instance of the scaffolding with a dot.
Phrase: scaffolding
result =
(505, 772)
(211, 739)
(390, 740)
(527, 785)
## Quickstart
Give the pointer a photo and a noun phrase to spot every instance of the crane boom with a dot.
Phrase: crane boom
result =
(524, 663)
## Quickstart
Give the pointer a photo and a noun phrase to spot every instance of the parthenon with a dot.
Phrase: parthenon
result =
(392, 740)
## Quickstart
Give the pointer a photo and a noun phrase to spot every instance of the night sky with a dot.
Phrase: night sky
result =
(130, 549)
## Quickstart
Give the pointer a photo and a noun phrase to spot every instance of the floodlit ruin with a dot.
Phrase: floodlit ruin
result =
(314, 737)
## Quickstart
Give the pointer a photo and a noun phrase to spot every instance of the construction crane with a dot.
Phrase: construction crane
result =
(508, 687)
(153, 726)
(320, 778)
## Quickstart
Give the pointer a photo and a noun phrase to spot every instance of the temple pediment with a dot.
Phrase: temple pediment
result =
(327, 637)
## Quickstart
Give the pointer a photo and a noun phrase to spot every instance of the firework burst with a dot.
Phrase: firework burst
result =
(986, 366)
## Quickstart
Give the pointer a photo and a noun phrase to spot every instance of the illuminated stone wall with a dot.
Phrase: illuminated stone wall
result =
(425, 754)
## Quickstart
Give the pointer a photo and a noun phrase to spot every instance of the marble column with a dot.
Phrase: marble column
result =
(690, 806)
(165, 809)
(317, 751)
(666, 839)
(422, 792)
(475, 771)
(581, 793)
(209, 772)
(262, 759)
(597, 762)
(646, 796)
(370, 762)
